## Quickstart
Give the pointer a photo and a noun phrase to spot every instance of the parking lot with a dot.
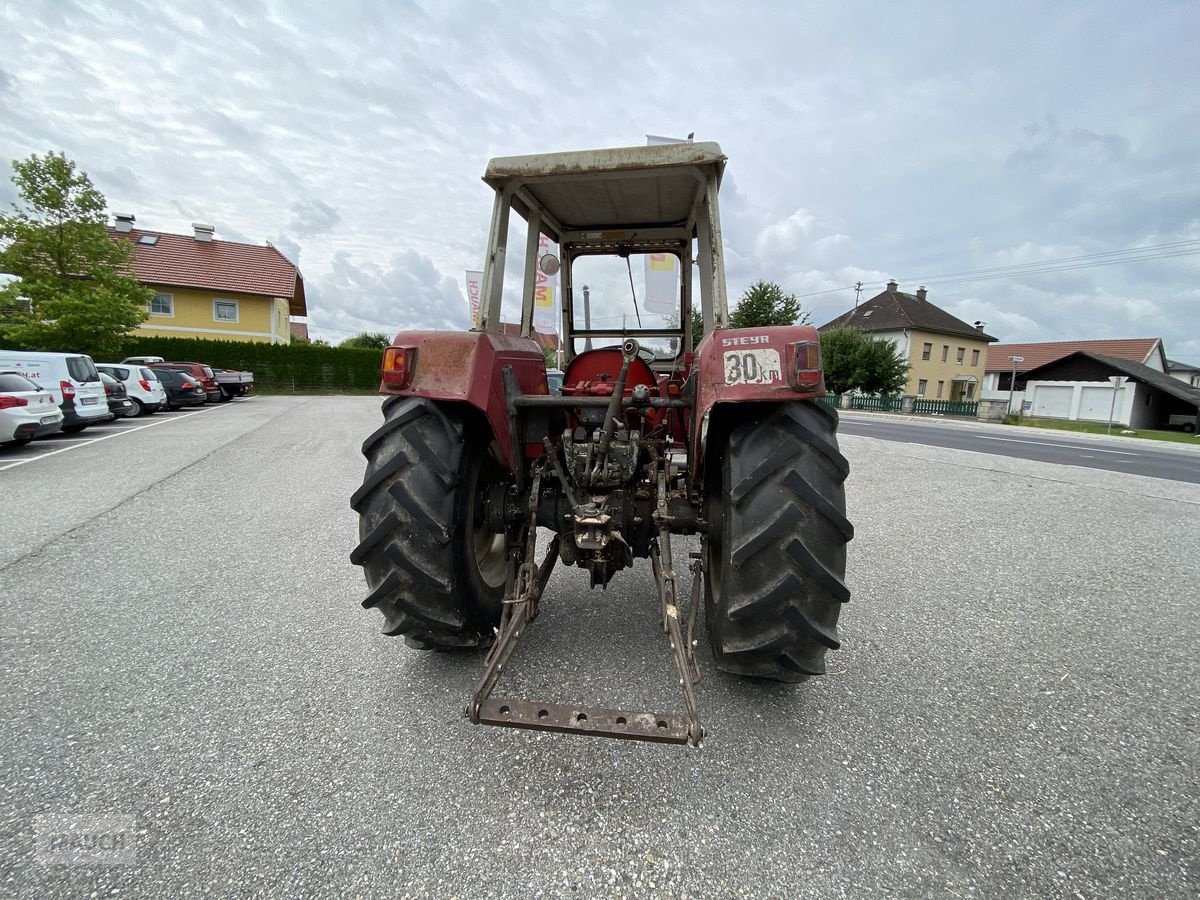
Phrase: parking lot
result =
(1013, 711)
(13, 456)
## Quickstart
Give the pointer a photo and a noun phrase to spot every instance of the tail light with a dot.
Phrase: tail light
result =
(68, 390)
(397, 369)
(804, 366)
(108, 390)
(10, 402)
(145, 384)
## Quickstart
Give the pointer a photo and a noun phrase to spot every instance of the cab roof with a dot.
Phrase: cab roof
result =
(658, 186)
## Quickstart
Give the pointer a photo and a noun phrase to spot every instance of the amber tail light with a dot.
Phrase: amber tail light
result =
(397, 369)
(804, 366)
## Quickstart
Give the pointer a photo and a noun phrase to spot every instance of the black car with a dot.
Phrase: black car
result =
(119, 403)
(182, 389)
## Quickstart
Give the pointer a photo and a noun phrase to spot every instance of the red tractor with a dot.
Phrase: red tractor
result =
(645, 438)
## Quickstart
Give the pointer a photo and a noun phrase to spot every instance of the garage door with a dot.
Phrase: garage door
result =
(1097, 401)
(1052, 402)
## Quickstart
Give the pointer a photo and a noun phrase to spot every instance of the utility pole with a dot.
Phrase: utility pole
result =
(857, 292)
(587, 317)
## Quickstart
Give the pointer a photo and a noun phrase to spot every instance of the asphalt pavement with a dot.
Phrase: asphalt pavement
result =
(1157, 459)
(1012, 714)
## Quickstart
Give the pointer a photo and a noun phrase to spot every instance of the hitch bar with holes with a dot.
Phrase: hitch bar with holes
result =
(520, 609)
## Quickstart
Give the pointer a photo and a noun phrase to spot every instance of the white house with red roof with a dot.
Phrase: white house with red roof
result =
(214, 289)
(1126, 381)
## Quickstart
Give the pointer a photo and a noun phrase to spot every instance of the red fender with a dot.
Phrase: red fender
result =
(467, 367)
(754, 365)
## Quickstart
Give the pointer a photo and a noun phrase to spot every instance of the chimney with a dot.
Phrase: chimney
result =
(125, 221)
(892, 285)
(979, 326)
(204, 233)
(921, 292)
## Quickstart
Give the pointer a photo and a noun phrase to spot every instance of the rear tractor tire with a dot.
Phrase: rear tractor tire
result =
(775, 553)
(434, 568)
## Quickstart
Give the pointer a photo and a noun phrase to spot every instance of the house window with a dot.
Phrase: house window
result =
(941, 384)
(962, 352)
(921, 386)
(926, 351)
(974, 357)
(945, 352)
(225, 310)
(162, 305)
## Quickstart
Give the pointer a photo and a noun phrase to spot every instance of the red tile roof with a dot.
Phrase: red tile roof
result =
(179, 260)
(299, 330)
(1137, 350)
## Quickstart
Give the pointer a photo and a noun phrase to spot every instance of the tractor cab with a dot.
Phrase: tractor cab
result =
(630, 224)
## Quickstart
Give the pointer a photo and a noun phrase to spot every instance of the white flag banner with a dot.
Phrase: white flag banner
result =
(545, 293)
(662, 269)
(474, 289)
(662, 283)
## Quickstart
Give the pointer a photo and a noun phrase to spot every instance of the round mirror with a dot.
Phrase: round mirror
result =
(548, 264)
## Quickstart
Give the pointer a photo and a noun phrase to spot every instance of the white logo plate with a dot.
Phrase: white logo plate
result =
(752, 367)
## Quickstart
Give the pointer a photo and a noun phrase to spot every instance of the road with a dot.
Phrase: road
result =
(1012, 713)
(1136, 457)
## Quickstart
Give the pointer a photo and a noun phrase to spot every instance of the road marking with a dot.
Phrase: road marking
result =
(1079, 447)
(87, 441)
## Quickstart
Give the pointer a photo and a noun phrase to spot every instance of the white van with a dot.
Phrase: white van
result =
(71, 378)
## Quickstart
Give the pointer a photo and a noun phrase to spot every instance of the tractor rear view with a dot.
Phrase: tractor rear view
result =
(647, 438)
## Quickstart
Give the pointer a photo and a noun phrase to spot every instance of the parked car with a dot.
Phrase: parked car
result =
(119, 403)
(26, 410)
(70, 378)
(199, 372)
(143, 388)
(182, 389)
(231, 382)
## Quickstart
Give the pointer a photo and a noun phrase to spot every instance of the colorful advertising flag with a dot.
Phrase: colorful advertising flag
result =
(544, 318)
(662, 283)
(474, 288)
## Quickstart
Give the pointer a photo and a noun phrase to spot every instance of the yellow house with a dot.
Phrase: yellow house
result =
(219, 290)
(947, 357)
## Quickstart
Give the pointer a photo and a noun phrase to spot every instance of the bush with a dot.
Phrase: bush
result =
(278, 366)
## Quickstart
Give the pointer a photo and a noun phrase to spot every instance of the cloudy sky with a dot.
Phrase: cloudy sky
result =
(865, 141)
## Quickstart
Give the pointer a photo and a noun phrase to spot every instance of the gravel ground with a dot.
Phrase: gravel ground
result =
(1013, 712)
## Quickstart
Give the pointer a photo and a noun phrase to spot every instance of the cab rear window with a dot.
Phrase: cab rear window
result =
(81, 368)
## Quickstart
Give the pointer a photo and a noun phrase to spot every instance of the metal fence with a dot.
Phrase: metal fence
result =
(882, 404)
(831, 400)
(946, 407)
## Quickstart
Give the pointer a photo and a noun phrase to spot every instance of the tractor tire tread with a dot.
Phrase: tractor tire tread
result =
(406, 508)
(784, 531)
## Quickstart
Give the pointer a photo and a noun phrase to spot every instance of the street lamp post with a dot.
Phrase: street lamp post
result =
(1012, 385)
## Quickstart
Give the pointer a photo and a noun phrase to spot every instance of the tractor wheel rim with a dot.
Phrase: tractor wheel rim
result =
(490, 555)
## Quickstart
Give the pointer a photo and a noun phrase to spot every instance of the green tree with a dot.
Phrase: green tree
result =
(74, 291)
(762, 304)
(367, 340)
(765, 303)
(855, 360)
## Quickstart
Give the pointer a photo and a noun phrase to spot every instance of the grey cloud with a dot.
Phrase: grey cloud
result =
(311, 217)
(408, 293)
(288, 248)
(8, 83)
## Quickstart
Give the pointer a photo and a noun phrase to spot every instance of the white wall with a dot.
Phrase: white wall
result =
(1091, 401)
